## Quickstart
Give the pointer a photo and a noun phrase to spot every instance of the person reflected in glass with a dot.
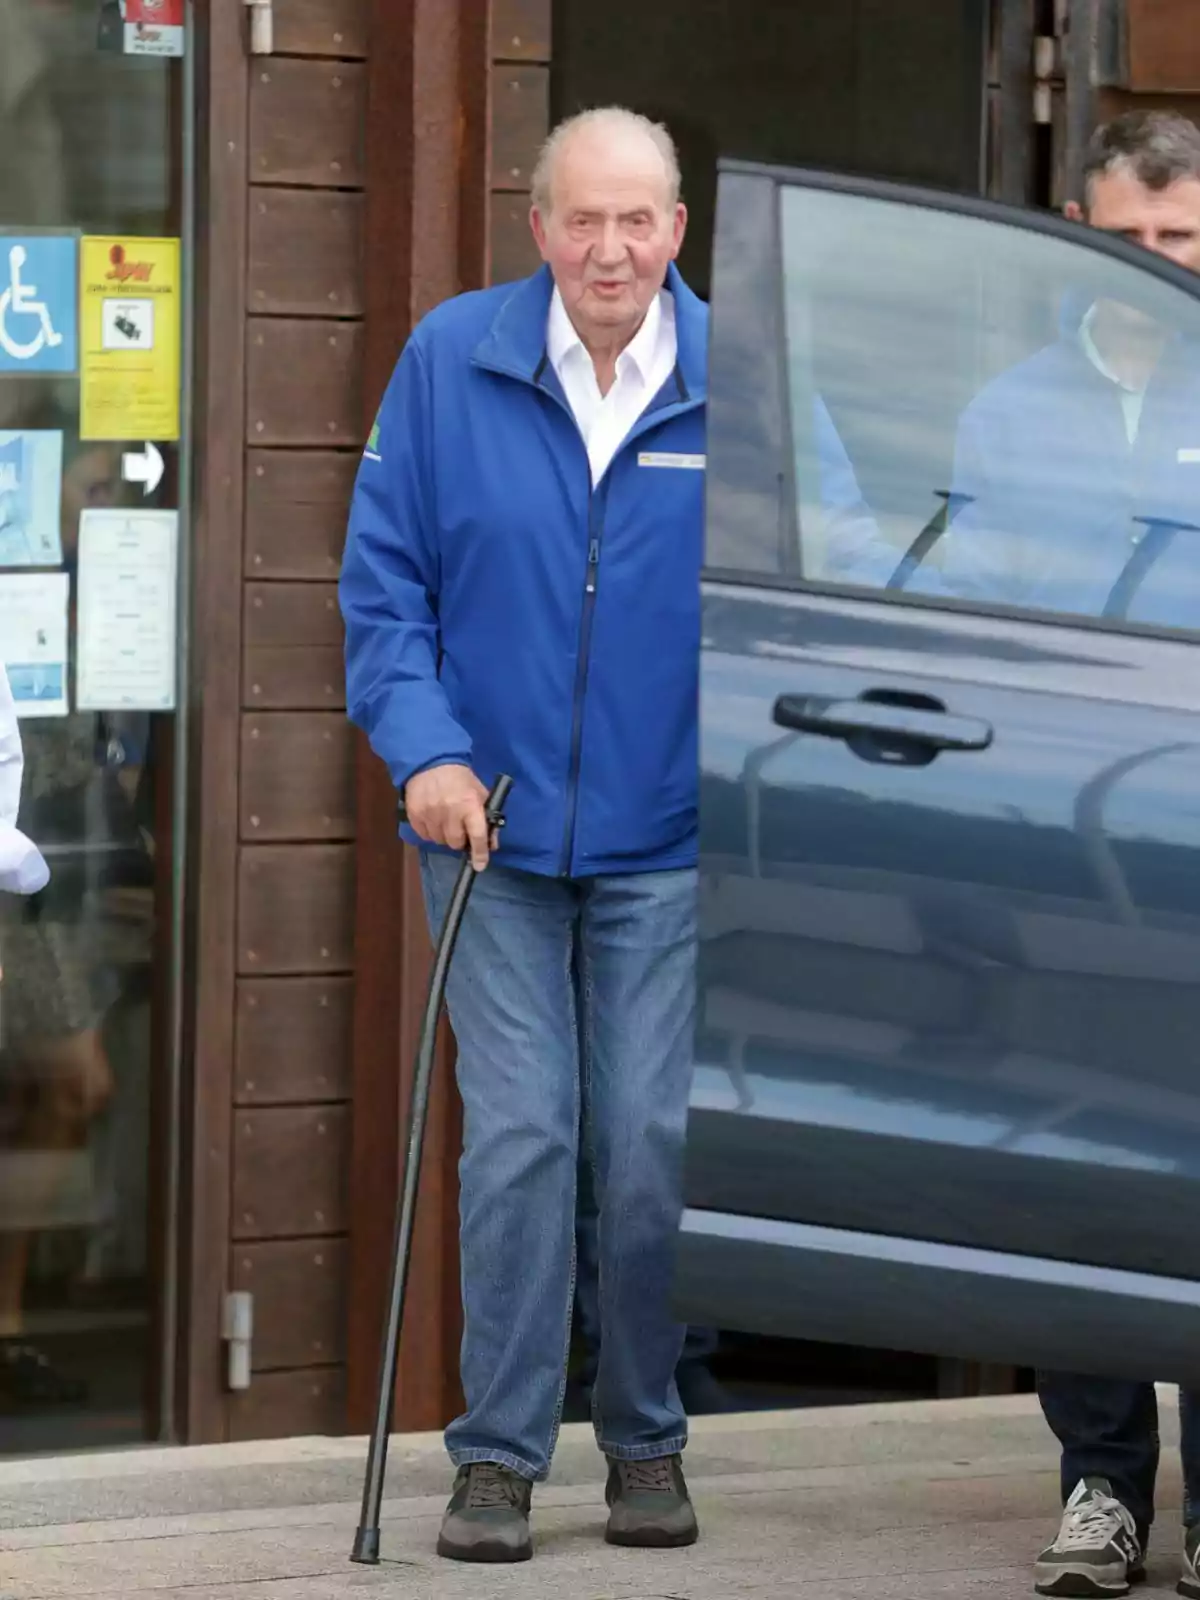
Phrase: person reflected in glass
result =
(60, 981)
(1077, 472)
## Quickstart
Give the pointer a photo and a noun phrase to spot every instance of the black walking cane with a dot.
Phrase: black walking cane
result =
(366, 1540)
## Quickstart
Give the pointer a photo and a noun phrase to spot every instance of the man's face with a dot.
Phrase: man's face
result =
(611, 230)
(1166, 221)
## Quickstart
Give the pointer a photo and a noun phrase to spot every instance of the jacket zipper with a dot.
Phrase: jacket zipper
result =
(597, 500)
(595, 534)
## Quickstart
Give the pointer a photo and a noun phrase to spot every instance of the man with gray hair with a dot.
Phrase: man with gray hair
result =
(1078, 474)
(521, 594)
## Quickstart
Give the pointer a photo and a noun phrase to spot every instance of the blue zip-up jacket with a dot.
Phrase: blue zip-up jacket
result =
(503, 613)
(1055, 509)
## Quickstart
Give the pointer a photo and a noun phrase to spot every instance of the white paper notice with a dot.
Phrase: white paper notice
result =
(31, 466)
(125, 614)
(33, 640)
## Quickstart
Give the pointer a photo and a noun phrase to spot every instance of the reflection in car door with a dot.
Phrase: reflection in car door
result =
(946, 1094)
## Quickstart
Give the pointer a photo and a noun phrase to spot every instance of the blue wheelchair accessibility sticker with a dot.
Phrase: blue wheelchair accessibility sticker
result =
(39, 321)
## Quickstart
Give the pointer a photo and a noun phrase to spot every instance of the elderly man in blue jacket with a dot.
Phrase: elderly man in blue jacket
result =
(521, 594)
(1078, 487)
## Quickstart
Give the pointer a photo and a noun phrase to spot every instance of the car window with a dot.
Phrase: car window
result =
(979, 410)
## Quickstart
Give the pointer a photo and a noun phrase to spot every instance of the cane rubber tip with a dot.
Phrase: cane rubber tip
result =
(366, 1547)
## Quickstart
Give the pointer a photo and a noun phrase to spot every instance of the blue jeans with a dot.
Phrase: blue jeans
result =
(699, 1345)
(1108, 1428)
(535, 1078)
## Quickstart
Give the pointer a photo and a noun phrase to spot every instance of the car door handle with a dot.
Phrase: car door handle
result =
(883, 719)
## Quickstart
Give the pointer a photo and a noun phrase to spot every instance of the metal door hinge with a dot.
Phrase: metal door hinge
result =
(1046, 69)
(237, 1331)
(262, 27)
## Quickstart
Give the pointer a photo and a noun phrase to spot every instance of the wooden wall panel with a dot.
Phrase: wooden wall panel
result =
(281, 292)
(306, 253)
(513, 252)
(293, 1040)
(1164, 46)
(288, 1405)
(295, 909)
(289, 1171)
(1112, 102)
(293, 648)
(297, 777)
(292, 614)
(304, 382)
(520, 119)
(290, 679)
(306, 123)
(321, 28)
(296, 502)
(299, 1289)
(521, 30)
(520, 114)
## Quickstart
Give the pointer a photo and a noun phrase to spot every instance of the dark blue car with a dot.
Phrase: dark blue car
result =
(948, 1073)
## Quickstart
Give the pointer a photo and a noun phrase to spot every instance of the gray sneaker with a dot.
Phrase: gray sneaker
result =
(488, 1516)
(1097, 1551)
(1189, 1583)
(649, 1504)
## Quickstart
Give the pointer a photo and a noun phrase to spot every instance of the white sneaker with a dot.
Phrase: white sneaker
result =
(1096, 1551)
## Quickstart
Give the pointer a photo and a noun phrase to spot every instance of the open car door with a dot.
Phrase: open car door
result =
(947, 1095)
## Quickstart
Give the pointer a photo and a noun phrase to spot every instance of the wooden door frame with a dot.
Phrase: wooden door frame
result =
(222, 95)
(426, 231)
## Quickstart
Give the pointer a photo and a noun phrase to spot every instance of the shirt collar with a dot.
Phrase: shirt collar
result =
(1093, 354)
(562, 341)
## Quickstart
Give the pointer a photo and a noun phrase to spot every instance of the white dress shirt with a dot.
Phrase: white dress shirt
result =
(644, 365)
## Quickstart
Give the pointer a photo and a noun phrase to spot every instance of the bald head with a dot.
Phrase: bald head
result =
(606, 131)
(607, 219)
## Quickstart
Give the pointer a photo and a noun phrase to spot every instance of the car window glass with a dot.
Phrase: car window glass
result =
(984, 412)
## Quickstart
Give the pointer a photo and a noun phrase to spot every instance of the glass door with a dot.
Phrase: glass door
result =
(92, 451)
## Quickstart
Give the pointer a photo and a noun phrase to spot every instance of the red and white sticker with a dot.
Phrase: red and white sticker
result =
(154, 27)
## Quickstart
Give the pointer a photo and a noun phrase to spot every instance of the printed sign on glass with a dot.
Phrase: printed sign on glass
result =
(142, 27)
(130, 319)
(33, 640)
(125, 630)
(154, 27)
(38, 328)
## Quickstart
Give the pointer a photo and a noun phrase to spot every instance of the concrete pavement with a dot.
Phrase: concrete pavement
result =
(899, 1502)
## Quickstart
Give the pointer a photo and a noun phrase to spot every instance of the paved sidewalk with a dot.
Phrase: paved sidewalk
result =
(904, 1502)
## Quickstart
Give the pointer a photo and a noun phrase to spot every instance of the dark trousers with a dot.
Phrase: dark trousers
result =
(1108, 1428)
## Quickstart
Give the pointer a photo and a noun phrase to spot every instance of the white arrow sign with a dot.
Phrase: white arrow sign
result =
(145, 467)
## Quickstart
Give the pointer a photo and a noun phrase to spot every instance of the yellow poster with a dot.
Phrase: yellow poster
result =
(130, 324)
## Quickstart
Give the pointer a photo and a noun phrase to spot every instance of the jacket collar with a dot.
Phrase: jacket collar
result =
(515, 344)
